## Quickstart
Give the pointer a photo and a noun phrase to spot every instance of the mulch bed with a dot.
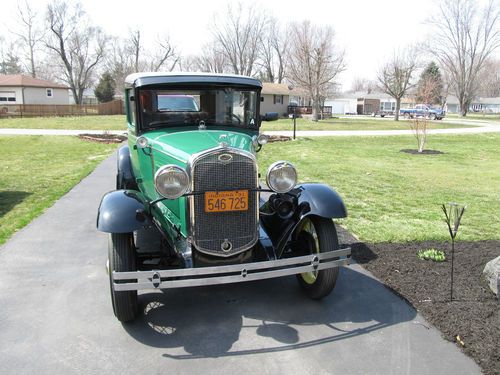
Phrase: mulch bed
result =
(103, 138)
(473, 315)
(279, 138)
(424, 152)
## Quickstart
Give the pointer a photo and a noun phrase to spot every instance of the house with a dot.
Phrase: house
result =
(361, 103)
(275, 98)
(21, 89)
(345, 104)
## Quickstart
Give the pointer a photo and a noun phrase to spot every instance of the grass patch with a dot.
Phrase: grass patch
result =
(115, 122)
(118, 122)
(37, 170)
(351, 124)
(475, 116)
(395, 197)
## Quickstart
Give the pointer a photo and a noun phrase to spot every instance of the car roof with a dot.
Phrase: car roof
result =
(157, 78)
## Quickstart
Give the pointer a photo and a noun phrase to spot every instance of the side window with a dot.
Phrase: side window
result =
(130, 107)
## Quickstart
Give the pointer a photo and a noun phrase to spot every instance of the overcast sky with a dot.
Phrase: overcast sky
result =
(369, 31)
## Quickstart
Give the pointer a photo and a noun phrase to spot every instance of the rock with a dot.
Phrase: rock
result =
(491, 273)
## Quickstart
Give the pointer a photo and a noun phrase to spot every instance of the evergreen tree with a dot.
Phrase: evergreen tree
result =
(430, 85)
(10, 65)
(105, 90)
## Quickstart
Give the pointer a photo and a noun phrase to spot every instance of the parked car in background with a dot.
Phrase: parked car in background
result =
(190, 173)
(423, 110)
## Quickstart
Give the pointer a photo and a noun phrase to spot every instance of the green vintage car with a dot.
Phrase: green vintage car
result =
(189, 173)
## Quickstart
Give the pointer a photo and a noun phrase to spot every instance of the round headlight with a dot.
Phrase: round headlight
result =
(142, 142)
(262, 139)
(171, 181)
(281, 177)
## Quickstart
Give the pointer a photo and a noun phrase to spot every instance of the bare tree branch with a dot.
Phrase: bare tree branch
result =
(238, 34)
(79, 46)
(314, 61)
(29, 34)
(465, 36)
(395, 76)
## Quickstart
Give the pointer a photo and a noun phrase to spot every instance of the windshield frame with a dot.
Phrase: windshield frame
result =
(252, 123)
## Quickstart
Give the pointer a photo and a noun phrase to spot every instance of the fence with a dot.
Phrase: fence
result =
(115, 107)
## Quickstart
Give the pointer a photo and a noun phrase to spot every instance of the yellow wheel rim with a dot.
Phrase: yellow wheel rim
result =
(308, 227)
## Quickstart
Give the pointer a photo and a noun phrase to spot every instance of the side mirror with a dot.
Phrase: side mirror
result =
(270, 116)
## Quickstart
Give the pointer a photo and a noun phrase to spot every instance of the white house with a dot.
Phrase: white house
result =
(21, 89)
(276, 97)
(361, 103)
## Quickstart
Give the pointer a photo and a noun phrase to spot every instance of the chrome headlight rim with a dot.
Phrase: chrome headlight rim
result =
(275, 166)
(166, 169)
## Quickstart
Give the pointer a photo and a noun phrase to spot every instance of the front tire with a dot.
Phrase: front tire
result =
(121, 256)
(318, 235)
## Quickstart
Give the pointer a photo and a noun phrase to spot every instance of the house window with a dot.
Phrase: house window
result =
(50, 94)
(278, 99)
(7, 96)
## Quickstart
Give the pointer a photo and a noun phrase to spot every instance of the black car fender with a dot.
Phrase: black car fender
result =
(121, 211)
(125, 176)
(310, 199)
(320, 200)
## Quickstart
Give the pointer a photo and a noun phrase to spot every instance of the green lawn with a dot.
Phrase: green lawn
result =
(394, 196)
(475, 116)
(351, 124)
(115, 122)
(37, 170)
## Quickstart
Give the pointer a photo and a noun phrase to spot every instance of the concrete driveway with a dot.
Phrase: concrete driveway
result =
(56, 316)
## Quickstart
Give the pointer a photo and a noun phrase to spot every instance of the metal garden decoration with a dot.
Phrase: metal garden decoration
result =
(453, 213)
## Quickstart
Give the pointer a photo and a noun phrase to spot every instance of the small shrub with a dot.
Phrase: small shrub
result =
(432, 254)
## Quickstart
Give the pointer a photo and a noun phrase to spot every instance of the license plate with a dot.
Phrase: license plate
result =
(223, 201)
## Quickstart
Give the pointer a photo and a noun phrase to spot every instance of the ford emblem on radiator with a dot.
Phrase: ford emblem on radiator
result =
(225, 158)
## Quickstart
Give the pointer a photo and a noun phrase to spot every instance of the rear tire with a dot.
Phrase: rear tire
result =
(121, 256)
(319, 235)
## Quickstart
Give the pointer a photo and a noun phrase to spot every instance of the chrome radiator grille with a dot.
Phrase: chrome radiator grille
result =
(224, 170)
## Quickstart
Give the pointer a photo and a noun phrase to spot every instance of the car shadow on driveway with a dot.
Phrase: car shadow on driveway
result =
(263, 316)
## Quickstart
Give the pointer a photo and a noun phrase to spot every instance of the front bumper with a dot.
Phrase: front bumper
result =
(186, 277)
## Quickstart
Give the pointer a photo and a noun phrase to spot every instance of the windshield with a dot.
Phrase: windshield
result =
(212, 107)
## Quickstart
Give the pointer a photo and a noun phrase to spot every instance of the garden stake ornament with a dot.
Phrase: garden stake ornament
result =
(453, 213)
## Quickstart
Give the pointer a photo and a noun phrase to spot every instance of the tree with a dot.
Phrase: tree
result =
(465, 36)
(135, 43)
(489, 79)
(77, 44)
(212, 59)
(238, 35)
(314, 61)
(395, 76)
(105, 89)
(363, 85)
(428, 88)
(430, 85)
(119, 62)
(163, 57)
(30, 35)
(9, 60)
(273, 51)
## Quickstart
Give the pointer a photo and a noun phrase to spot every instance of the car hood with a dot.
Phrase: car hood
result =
(183, 144)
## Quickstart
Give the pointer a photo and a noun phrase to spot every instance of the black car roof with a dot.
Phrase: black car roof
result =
(158, 78)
